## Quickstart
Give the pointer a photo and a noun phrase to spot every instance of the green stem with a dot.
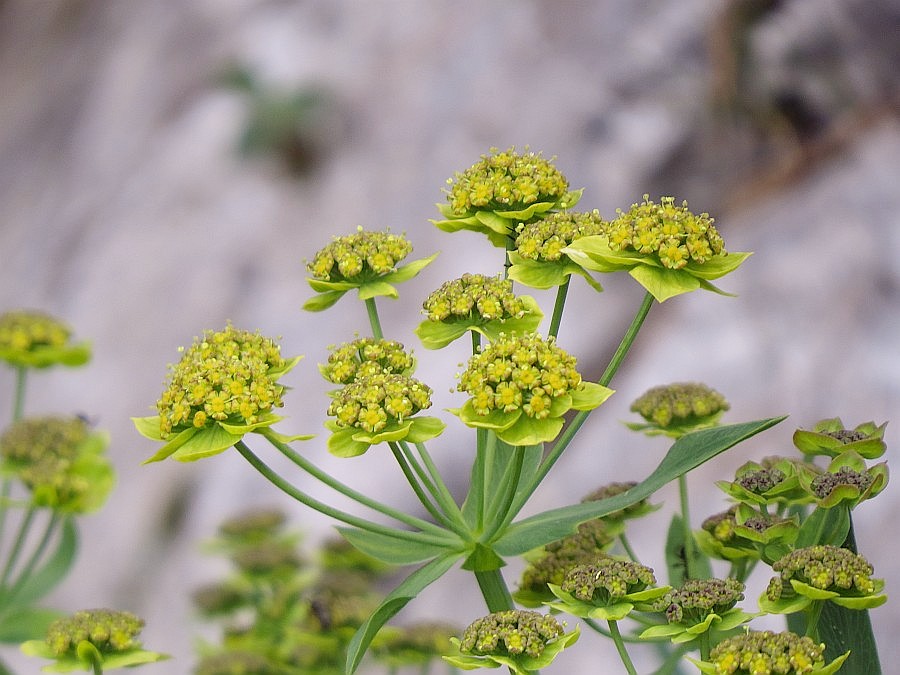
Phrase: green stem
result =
(18, 545)
(813, 613)
(443, 495)
(593, 625)
(490, 449)
(347, 491)
(569, 432)
(687, 534)
(558, 307)
(704, 645)
(623, 539)
(27, 570)
(494, 590)
(337, 514)
(19, 398)
(424, 499)
(373, 319)
(498, 512)
(620, 647)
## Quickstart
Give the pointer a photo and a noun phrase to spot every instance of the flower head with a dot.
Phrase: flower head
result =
(676, 409)
(607, 588)
(822, 572)
(33, 339)
(539, 259)
(102, 637)
(522, 640)
(226, 385)
(502, 190)
(367, 261)
(520, 386)
(364, 357)
(773, 480)
(847, 480)
(700, 605)
(616, 518)
(830, 438)
(61, 461)
(479, 303)
(756, 652)
(743, 532)
(379, 408)
(668, 249)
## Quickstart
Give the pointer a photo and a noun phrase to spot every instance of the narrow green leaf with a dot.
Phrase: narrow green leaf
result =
(676, 561)
(26, 623)
(824, 526)
(393, 550)
(393, 603)
(688, 452)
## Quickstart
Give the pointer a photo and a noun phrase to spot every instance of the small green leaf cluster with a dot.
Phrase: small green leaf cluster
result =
(33, 339)
(677, 408)
(756, 652)
(61, 461)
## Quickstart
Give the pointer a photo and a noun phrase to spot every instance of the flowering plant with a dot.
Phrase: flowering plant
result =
(525, 398)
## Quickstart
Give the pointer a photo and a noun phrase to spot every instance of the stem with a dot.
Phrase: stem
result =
(558, 307)
(373, 319)
(627, 546)
(812, 620)
(704, 646)
(490, 449)
(17, 546)
(19, 398)
(620, 647)
(499, 513)
(404, 463)
(27, 570)
(347, 491)
(687, 534)
(494, 590)
(569, 432)
(593, 625)
(443, 496)
(337, 514)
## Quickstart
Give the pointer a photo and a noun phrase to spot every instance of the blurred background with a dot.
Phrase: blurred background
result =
(167, 166)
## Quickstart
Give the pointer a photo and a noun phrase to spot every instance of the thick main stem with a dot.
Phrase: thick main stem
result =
(687, 533)
(374, 321)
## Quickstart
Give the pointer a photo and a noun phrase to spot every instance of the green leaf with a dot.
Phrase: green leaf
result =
(590, 395)
(824, 526)
(530, 430)
(19, 624)
(342, 444)
(424, 429)
(393, 603)
(676, 559)
(372, 289)
(438, 334)
(663, 283)
(54, 570)
(409, 270)
(688, 452)
(537, 273)
(393, 550)
(322, 301)
(148, 427)
(717, 265)
(206, 442)
(171, 446)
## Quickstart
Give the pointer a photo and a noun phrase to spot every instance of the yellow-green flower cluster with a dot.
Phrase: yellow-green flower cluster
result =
(370, 404)
(474, 296)
(545, 239)
(30, 440)
(253, 524)
(678, 408)
(823, 567)
(668, 230)
(108, 630)
(506, 181)
(361, 255)
(364, 357)
(510, 632)
(234, 662)
(225, 376)
(607, 579)
(757, 652)
(34, 339)
(613, 489)
(697, 598)
(524, 373)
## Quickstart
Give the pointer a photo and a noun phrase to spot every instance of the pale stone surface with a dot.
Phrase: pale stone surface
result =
(128, 213)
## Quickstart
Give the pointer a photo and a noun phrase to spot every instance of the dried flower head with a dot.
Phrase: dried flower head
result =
(668, 249)
(479, 303)
(522, 640)
(520, 386)
(756, 652)
(675, 409)
(502, 190)
(367, 261)
(539, 259)
(224, 386)
(32, 339)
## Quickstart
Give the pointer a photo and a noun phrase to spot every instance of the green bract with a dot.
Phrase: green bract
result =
(377, 409)
(822, 572)
(676, 409)
(30, 339)
(757, 652)
(606, 589)
(366, 261)
(521, 386)
(522, 640)
(830, 438)
(61, 461)
(502, 190)
(743, 532)
(846, 481)
(775, 480)
(538, 259)
(479, 303)
(700, 605)
(225, 386)
(665, 247)
(104, 637)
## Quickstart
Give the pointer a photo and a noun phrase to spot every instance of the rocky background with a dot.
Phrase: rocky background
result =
(166, 166)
